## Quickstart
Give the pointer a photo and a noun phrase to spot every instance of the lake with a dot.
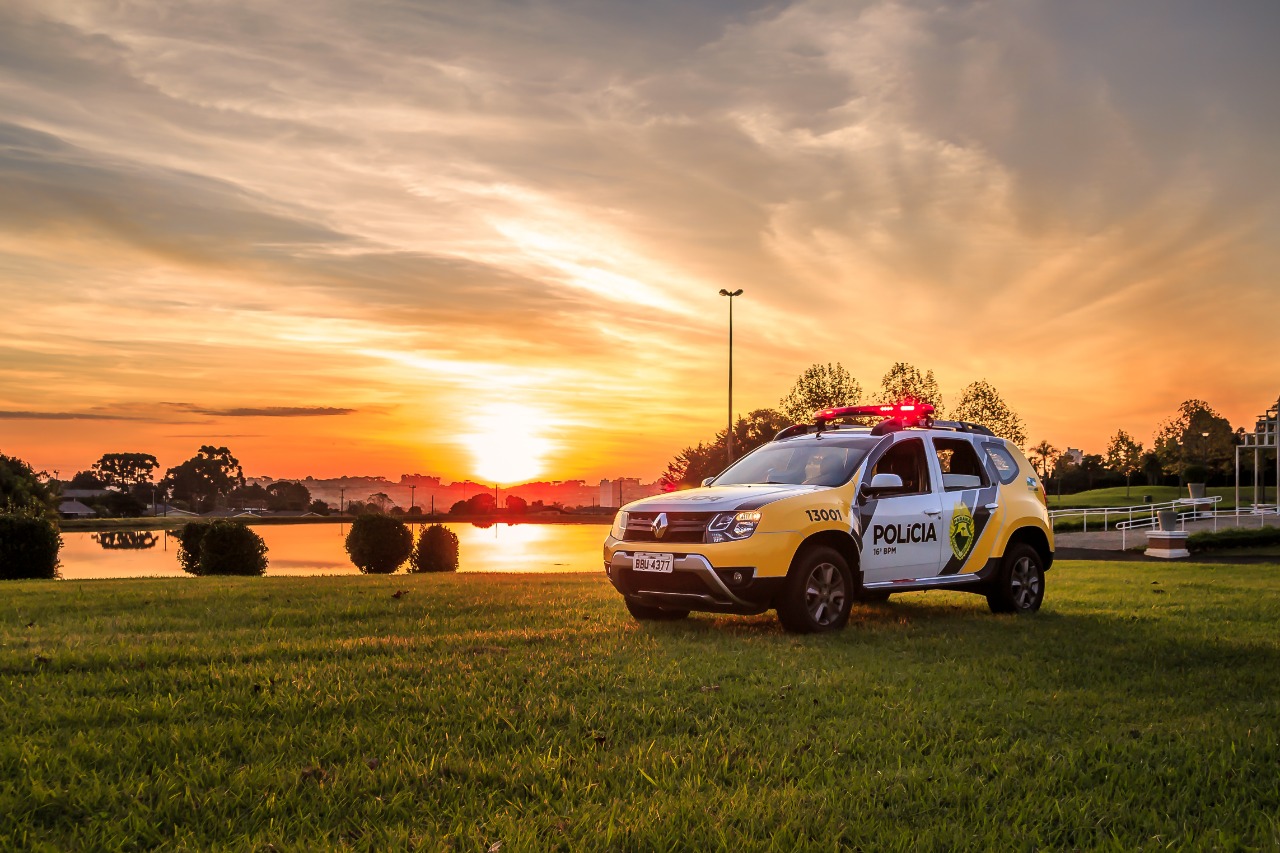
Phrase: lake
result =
(317, 549)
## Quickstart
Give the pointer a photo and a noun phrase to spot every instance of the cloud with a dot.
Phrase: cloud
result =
(411, 208)
(272, 411)
(174, 412)
(18, 415)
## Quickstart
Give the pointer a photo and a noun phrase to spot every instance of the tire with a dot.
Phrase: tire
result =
(649, 613)
(1019, 588)
(819, 593)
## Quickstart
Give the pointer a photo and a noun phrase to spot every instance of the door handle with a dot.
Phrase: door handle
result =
(933, 512)
(993, 506)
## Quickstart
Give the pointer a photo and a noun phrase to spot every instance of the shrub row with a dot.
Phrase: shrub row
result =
(380, 544)
(1239, 537)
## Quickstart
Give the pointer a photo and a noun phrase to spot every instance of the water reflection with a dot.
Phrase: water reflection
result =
(126, 540)
(319, 549)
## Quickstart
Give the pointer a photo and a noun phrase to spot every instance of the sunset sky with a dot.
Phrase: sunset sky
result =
(486, 239)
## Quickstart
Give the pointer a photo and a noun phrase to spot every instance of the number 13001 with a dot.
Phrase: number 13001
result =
(823, 514)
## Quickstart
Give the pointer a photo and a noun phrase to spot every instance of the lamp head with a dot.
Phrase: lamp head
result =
(737, 292)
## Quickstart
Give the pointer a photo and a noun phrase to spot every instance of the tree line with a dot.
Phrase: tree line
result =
(823, 386)
(1195, 444)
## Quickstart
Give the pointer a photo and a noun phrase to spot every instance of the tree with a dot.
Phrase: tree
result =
(822, 386)
(981, 403)
(694, 464)
(249, 493)
(436, 551)
(22, 492)
(211, 473)
(29, 545)
(1124, 456)
(904, 383)
(1092, 465)
(125, 470)
(86, 480)
(319, 507)
(516, 505)
(231, 548)
(284, 495)
(1046, 453)
(1195, 435)
(379, 544)
(1151, 468)
(379, 502)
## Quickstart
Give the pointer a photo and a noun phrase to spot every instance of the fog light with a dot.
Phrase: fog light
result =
(737, 577)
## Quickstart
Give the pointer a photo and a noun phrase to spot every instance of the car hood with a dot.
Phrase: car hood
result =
(719, 498)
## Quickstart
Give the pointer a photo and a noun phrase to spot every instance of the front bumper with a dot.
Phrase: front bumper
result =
(695, 583)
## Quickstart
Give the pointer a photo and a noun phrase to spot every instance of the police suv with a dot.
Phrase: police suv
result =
(830, 512)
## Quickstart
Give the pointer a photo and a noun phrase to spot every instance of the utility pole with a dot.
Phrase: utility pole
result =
(413, 495)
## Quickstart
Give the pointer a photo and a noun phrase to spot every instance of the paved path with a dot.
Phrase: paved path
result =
(1115, 540)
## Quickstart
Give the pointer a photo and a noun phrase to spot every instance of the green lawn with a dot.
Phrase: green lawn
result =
(1139, 710)
(1098, 498)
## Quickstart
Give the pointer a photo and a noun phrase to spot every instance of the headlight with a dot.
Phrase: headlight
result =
(732, 526)
(619, 530)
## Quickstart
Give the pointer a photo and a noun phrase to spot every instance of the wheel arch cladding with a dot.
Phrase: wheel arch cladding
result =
(1034, 537)
(843, 543)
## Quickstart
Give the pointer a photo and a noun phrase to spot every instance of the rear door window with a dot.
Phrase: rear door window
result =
(1006, 465)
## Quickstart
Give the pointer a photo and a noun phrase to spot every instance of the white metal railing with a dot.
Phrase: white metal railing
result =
(1141, 515)
(1146, 515)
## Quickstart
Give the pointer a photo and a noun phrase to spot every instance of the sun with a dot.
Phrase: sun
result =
(508, 444)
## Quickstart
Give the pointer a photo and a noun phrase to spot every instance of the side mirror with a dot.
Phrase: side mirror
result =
(880, 483)
(707, 482)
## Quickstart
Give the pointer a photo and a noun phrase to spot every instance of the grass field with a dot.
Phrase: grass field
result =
(1099, 498)
(1139, 710)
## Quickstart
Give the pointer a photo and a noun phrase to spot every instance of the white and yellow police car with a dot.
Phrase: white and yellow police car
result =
(830, 512)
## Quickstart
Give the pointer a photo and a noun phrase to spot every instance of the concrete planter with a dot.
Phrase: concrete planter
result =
(1196, 490)
(1167, 519)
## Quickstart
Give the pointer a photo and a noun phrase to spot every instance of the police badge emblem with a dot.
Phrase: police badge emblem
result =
(961, 531)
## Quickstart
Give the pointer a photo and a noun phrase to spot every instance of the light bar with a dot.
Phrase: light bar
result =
(906, 412)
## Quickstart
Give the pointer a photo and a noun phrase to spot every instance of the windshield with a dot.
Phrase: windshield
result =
(826, 462)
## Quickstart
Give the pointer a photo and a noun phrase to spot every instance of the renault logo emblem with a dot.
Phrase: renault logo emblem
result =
(660, 526)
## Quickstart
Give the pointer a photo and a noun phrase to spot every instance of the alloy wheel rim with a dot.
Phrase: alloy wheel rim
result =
(1024, 584)
(825, 594)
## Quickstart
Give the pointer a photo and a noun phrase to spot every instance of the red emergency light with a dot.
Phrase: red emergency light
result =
(908, 413)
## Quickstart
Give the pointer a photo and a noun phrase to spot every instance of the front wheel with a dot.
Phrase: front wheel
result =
(818, 594)
(1019, 588)
(649, 613)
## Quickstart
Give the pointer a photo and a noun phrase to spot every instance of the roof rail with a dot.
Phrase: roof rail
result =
(963, 426)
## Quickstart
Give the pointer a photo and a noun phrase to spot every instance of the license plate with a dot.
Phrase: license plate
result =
(643, 562)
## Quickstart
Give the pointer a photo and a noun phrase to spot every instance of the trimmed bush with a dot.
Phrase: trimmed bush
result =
(29, 547)
(1240, 537)
(436, 551)
(230, 548)
(189, 538)
(221, 548)
(379, 544)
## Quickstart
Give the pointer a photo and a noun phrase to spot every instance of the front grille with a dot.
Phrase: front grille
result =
(681, 526)
(659, 582)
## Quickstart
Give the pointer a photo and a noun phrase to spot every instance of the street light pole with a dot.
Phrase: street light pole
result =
(729, 432)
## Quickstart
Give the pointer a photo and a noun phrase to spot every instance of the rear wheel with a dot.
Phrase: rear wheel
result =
(818, 594)
(1019, 588)
(649, 613)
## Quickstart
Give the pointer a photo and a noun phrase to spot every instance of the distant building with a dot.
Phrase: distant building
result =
(624, 490)
(1074, 454)
(75, 509)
